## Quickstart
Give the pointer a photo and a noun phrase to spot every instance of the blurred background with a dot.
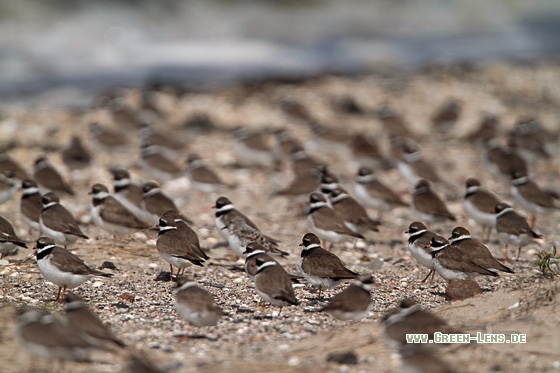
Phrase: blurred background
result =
(92, 45)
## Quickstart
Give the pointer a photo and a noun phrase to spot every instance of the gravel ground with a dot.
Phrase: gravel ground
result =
(139, 309)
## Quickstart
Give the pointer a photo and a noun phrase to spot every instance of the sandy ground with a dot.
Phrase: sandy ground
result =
(139, 309)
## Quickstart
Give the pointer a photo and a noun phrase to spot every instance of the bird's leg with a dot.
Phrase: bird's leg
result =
(262, 309)
(506, 256)
(279, 312)
(428, 275)
(60, 297)
(533, 220)
(518, 253)
(184, 337)
(320, 287)
(58, 294)
(433, 274)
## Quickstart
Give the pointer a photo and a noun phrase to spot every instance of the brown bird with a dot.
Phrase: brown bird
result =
(8, 237)
(43, 335)
(479, 205)
(155, 203)
(392, 122)
(254, 251)
(354, 215)
(325, 222)
(413, 167)
(226, 213)
(195, 304)
(57, 222)
(75, 155)
(419, 246)
(487, 129)
(9, 186)
(81, 319)
(454, 264)
(7, 164)
(504, 161)
(476, 251)
(321, 267)
(30, 206)
(126, 192)
(62, 268)
(374, 194)
(447, 115)
(354, 302)
(48, 178)
(427, 205)
(108, 138)
(366, 151)
(155, 163)
(109, 214)
(410, 318)
(513, 228)
(202, 177)
(273, 284)
(531, 197)
(178, 245)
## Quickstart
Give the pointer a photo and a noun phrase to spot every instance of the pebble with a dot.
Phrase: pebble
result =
(293, 361)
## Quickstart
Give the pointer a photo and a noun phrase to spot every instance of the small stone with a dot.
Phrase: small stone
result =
(345, 357)
(4, 262)
(120, 305)
(127, 297)
(164, 276)
(293, 361)
(140, 236)
(459, 290)
(108, 265)
(97, 284)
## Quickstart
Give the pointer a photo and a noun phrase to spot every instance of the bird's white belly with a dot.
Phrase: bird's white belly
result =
(483, 218)
(449, 274)
(58, 277)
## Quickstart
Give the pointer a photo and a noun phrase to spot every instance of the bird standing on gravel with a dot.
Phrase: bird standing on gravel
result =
(354, 302)
(177, 245)
(195, 304)
(62, 268)
(273, 284)
(81, 319)
(513, 229)
(57, 222)
(321, 267)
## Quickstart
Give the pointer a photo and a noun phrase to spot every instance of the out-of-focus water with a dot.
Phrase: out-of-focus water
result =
(96, 44)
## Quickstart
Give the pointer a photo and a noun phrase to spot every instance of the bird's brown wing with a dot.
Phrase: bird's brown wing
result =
(115, 213)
